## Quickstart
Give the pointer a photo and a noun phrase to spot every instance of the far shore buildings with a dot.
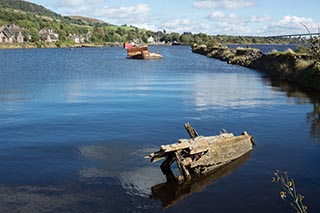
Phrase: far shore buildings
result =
(48, 35)
(76, 39)
(80, 39)
(11, 34)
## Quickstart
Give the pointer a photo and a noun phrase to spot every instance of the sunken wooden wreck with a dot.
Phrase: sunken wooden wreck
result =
(141, 52)
(201, 155)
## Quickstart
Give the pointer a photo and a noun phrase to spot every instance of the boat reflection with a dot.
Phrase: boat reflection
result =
(170, 193)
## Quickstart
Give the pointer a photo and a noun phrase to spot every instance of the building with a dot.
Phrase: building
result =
(76, 39)
(151, 40)
(11, 34)
(48, 35)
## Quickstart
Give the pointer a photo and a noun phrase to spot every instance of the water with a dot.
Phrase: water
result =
(76, 124)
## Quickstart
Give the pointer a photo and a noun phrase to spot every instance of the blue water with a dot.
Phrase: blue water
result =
(75, 126)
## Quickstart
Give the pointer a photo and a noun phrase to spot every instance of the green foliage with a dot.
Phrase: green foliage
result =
(28, 7)
(315, 47)
(317, 67)
(187, 38)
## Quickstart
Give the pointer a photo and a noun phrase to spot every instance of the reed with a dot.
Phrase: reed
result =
(289, 192)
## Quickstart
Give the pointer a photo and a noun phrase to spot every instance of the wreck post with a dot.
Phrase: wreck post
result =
(192, 132)
(165, 167)
(183, 170)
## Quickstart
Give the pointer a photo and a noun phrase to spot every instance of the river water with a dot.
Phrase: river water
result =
(75, 126)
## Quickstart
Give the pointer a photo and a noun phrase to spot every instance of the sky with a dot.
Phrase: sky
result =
(213, 17)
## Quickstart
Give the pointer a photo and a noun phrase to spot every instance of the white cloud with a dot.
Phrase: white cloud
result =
(76, 3)
(290, 25)
(203, 4)
(147, 26)
(226, 4)
(295, 21)
(185, 25)
(258, 19)
(217, 15)
(233, 24)
(222, 17)
(135, 14)
(138, 11)
(180, 25)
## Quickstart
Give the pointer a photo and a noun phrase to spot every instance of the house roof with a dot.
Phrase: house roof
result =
(10, 30)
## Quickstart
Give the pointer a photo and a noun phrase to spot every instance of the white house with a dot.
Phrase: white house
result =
(151, 40)
(48, 35)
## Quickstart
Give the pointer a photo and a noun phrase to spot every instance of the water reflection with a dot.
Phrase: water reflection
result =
(139, 182)
(170, 193)
(119, 162)
(314, 119)
(142, 180)
(303, 97)
(210, 92)
(38, 199)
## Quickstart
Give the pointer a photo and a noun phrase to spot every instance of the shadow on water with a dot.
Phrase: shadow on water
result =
(303, 97)
(170, 193)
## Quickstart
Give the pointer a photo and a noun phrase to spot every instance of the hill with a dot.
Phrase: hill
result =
(87, 20)
(28, 7)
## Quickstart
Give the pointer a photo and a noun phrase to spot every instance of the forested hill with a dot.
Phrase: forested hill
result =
(28, 7)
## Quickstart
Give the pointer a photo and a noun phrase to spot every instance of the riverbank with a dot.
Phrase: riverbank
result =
(299, 68)
(54, 45)
(68, 45)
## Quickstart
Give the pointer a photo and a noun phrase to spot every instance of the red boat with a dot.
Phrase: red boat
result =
(127, 45)
(140, 52)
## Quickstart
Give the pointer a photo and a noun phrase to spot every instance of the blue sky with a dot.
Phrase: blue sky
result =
(231, 17)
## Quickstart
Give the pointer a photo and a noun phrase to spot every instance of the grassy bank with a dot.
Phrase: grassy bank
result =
(301, 68)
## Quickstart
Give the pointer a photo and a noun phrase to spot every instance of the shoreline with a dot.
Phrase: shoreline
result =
(53, 45)
(92, 45)
(301, 69)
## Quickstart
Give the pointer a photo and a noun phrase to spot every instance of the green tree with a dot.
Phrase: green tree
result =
(175, 37)
(34, 35)
(187, 38)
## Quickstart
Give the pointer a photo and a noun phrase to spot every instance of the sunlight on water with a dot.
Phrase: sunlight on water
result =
(75, 127)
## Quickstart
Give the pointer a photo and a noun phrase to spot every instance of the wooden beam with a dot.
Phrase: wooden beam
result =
(192, 132)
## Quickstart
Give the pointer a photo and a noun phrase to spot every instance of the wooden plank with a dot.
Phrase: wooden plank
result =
(192, 132)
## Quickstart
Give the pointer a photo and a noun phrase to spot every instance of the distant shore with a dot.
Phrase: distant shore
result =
(52, 45)
(298, 68)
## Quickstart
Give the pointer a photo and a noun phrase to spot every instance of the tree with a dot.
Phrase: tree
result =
(34, 35)
(187, 38)
(175, 37)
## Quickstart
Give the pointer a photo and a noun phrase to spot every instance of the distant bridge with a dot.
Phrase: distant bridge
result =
(295, 35)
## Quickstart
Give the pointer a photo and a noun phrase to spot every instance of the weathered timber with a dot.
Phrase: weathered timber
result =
(192, 132)
(141, 52)
(200, 155)
(133, 51)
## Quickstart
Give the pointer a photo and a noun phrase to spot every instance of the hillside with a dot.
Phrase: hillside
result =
(28, 7)
(87, 20)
